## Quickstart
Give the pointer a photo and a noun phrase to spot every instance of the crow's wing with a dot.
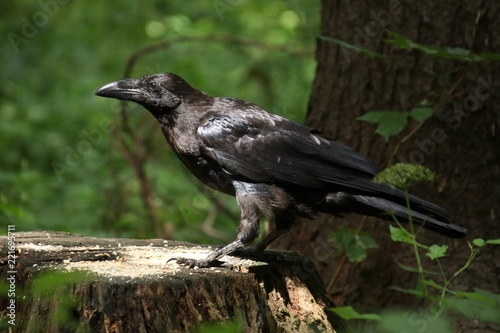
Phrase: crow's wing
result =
(262, 147)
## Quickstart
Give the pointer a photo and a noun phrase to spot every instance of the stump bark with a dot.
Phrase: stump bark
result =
(70, 283)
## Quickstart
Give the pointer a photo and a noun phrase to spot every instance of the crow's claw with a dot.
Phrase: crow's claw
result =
(191, 263)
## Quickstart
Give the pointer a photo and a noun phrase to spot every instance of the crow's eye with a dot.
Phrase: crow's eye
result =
(153, 86)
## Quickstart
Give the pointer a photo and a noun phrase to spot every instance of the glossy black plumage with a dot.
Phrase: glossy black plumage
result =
(271, 164)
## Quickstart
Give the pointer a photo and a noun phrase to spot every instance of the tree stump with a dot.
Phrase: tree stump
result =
(68, 283)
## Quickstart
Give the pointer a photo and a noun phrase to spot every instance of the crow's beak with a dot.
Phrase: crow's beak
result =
(127, 90)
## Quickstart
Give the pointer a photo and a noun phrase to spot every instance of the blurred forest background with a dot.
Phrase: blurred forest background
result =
(65, 164)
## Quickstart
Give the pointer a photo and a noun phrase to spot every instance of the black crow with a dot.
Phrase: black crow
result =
(271, 164)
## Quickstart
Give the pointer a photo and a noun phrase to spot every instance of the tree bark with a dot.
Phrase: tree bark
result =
(125, 285)
(459, 143)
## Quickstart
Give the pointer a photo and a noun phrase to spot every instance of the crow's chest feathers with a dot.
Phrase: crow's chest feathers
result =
(186, 145)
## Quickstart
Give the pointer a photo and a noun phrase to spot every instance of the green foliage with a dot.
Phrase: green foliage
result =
(354, 244)
(50, 282)
(479, 242)
(452, 53)
(348, 313)
(396, 321)
(52, 289)
(404, 43)
(481, 304)
(393, 122)
(404, 175)
(401, 235)
(421, 112)
(436, 251)
(62, 166)
(388, 123)
(229, 326)
(352, 47)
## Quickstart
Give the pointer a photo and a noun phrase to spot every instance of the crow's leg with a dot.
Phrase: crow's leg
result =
(271, 237)
(247, 231)
(283, 222)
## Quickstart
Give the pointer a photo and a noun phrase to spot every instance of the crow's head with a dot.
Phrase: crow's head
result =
(159, 93)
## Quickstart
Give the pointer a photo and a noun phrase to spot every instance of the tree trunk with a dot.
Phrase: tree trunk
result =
(125, 285)
(459, 143)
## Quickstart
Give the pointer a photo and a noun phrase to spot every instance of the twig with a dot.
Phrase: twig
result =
(220, 205)
(144, 185)
(406, 138)
(210, 38)
(208, 229)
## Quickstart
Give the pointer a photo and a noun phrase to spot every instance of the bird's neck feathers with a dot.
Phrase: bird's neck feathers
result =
(180, 125)
(190, 108)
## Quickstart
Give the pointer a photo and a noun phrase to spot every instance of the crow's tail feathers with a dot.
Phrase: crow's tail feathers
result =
(422, 213)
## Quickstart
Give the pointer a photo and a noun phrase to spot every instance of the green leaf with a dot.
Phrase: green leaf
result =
(416, 270)
(408, 268)
(232, 325)
(393, 122)
(455, 53)
(359, 250)
(421, 113)
(354, 245)
(482, 304)
(436, 251)
(352, 47)
(50, 281)
(432, 284)
(479, 295)
(413, 292)
(486, 56)
(491, 297)
(401, 235)
(388, 122)
(479, 242)
(397, 321)
(348, 313)
(493, 241)
(398, 40)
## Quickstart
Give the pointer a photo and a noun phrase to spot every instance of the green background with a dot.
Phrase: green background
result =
(61, 166)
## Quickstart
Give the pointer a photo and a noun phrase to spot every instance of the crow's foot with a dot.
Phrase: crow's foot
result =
(200, 263)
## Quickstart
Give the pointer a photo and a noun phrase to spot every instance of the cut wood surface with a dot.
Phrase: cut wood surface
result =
(70, 283)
